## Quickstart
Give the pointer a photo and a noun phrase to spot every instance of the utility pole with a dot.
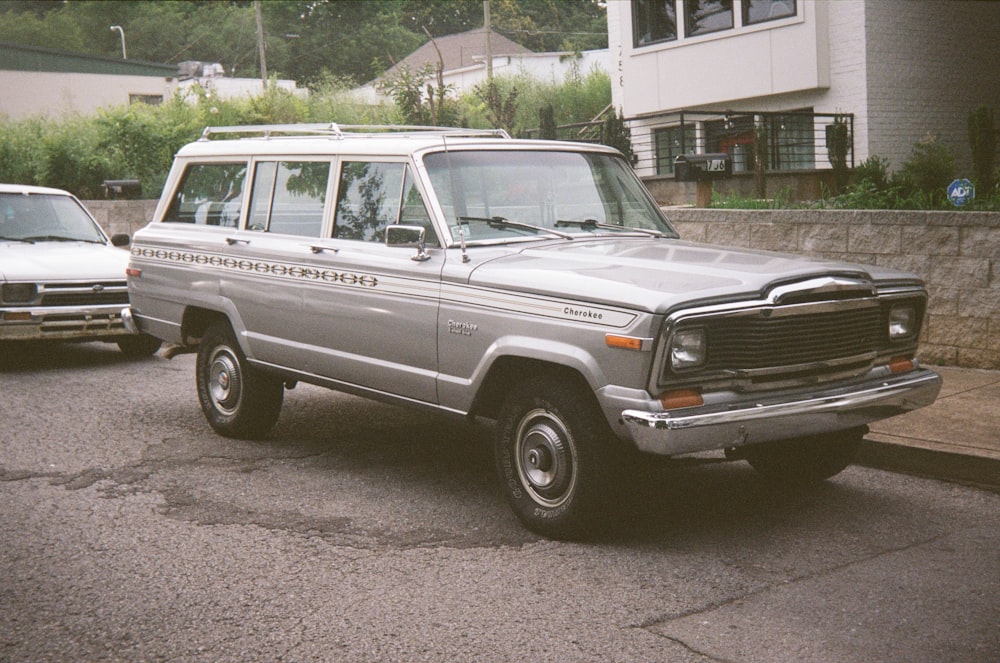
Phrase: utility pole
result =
(260, 42)
(489, 44)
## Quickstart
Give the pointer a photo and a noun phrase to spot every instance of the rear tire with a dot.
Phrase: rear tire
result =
(555, 458)
(238, 400)
(806, 460)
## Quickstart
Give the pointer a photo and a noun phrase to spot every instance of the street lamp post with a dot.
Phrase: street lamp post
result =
(118, 29)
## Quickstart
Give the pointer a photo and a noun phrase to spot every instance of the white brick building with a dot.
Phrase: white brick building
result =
(903, 69)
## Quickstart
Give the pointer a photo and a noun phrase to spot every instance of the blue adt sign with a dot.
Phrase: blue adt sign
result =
(961, 192)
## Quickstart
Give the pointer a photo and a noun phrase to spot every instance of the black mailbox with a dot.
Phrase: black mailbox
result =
(121, 189)
(695, 167)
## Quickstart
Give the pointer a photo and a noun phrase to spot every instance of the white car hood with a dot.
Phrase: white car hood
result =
(61, 261)
(658, 274)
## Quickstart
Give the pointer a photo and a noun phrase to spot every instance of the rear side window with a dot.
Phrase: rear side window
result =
(209, 194)
(289, 197)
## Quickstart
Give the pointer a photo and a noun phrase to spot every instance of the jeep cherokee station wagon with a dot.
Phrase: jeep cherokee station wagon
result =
(533, 283)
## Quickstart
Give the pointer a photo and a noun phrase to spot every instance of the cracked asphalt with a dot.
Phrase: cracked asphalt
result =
(357, 531)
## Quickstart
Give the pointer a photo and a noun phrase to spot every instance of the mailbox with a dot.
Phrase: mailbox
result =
(121, 189)
(696, 167)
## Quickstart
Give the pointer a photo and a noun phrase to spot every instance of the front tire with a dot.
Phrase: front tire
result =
(554, 457)
(807, 460)
(238, 400)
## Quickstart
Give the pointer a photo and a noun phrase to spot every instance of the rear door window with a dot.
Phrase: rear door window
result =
(289, 197)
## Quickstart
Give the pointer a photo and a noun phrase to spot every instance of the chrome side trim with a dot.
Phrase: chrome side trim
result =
(720, 426)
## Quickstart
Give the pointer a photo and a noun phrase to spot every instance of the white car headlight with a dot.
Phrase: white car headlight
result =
(902, 322)
(688, 349)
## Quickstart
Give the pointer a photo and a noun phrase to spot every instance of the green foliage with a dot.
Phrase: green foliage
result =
(499, 96)
(928, 171)
(420, 101)
(304, 38)
(547, 122)
(983, 141)
(139, 141)
(618, 135)
(837, 141)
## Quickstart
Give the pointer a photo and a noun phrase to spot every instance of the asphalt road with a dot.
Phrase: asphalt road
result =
(129, 531)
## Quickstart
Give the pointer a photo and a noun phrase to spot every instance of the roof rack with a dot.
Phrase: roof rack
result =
(334, 130)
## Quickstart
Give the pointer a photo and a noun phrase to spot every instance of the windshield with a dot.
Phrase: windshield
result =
(508, 194)
(43, 217)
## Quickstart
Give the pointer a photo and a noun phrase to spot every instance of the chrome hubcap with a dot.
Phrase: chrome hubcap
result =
(225, 380)
(546, 458)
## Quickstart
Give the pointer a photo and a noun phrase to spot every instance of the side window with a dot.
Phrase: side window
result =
(209, 194)
(369, 199)
(289, 197)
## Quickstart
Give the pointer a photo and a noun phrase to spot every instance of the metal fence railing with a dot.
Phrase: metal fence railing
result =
(782, 141)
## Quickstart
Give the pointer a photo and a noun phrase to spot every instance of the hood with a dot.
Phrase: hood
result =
(61, 261)
(657, 274)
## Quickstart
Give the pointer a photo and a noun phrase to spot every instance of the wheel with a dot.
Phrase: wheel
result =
(554, 457)
(138, 345)
(237, 399)
(805, 460)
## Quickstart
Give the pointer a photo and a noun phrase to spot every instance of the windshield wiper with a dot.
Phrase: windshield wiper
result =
(16, 239)
(58, 238)
(501, 222)
(593, 224)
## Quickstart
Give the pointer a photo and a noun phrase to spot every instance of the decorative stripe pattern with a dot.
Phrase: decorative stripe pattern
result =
(451, 294)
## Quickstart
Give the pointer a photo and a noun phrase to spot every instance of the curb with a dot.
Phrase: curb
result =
(957, 468)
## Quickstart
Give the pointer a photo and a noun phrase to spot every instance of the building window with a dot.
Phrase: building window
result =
(653, 21)
(760, 11)
(704, 16)
(148, 99)
(794, 142)
(670, 143)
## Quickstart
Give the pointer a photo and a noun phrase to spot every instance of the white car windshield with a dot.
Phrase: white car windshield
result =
(42, 217)
(493, 195)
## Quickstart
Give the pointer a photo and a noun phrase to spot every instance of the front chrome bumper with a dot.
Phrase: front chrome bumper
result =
(720, 426)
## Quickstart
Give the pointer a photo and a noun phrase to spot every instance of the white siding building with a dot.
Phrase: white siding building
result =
(899, 70)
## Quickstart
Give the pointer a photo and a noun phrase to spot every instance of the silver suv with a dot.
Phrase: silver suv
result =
(533, 283)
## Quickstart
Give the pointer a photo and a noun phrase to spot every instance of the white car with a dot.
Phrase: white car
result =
(61, 277)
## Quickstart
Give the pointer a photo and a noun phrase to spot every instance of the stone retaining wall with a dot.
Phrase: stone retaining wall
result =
(956, 253)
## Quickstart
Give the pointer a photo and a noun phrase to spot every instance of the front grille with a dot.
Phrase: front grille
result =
(83, 294)
(748, 343)
(84, 298)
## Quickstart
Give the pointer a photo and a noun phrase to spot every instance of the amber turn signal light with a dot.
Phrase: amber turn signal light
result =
(671, 400)
(900, 364)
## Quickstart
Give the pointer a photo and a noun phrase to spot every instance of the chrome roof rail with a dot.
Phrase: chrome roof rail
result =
(334, 130)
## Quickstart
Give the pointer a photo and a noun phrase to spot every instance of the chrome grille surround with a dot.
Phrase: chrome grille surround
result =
(814, 331)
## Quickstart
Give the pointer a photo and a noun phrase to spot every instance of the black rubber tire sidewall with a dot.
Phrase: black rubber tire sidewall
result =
(262, 394)
(583, 511)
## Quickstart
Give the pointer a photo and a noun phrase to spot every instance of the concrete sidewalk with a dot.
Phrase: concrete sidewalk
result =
(955, 439)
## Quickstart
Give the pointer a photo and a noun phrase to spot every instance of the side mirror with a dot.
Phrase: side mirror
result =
(408, 237)
(120, 239)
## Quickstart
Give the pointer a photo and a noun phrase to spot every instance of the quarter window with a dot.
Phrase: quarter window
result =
(209, 194)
